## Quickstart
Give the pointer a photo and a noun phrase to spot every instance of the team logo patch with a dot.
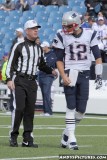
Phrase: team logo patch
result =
(55, 41)
(74, 15)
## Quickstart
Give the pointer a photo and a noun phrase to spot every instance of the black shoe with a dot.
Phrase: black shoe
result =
(73, 146)
(13, 143)
(29, 144)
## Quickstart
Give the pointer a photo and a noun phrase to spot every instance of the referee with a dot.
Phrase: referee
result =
(22, 65)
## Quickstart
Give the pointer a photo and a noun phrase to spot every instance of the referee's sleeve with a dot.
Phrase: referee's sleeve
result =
(11, 62)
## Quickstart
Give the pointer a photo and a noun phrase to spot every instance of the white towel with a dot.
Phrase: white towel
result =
(73, 75)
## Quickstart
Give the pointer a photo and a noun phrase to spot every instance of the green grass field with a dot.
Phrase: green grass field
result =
(91, 136)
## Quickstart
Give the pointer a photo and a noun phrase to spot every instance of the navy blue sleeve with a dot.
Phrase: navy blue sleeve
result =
(96, 52)
(60, 53)
(51, 59)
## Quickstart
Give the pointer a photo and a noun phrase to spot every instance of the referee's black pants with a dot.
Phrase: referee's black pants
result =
(25, 98)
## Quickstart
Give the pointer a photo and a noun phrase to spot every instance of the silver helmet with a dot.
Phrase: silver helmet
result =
(71, 22)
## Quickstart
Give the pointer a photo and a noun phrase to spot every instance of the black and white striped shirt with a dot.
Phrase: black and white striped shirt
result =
(24, 57)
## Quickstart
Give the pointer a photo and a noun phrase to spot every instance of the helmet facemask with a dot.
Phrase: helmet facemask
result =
(70, 29)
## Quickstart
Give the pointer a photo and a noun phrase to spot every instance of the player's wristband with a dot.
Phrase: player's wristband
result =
(98, 69)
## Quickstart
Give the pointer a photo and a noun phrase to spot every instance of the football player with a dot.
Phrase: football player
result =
(73, 46)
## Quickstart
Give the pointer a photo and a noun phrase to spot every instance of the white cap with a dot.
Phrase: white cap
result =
(45, 44)
(31, 24)
(19, 30)
(100, 18)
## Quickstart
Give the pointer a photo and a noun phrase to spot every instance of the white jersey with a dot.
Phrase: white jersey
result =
(102, 33)
(94, 26)
(77, 49)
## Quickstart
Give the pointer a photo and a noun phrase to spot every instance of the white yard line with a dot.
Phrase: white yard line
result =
(30, 158)
(40, 136)
(38, 158)
(52, 127)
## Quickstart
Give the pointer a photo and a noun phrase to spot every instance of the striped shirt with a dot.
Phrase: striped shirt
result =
(24, 57)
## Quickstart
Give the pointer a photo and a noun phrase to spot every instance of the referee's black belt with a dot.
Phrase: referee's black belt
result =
(26, 76)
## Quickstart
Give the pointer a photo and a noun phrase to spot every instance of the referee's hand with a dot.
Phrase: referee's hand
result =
(11, 85)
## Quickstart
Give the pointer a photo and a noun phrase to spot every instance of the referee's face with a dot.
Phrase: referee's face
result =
(32, 33)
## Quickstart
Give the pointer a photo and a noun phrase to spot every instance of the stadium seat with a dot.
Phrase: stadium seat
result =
(51, 8)
(80, 1)
(40, 20)
(2, 18)
(4, 29)
(1, 36)
(41, 17)
(57, 26)
(51, 37)
(7, 47)
(1, 45)
(54, 20)
(5, 24)
(55, 14)
(1, 53)
(77, 2)
(22, 20)
(82, 4)
(45, 25)
(63, 9)
(43, 37)
(41, 14)
(71, 3)
(15, 13)
(38, 8)
(29, 14)
(9, 34)
(41, 30)
(48, 31)
(1, 23)
(4, 13)
(14, 18)
(97, 8)
(80, 9)
(15, 25)
(10, 19)
(7, 40)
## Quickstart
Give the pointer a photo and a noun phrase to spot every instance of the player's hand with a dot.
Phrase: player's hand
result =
(66, 80)
(98, 82)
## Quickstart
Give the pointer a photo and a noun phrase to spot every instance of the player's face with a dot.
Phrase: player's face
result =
(69, 29)
(32, 33)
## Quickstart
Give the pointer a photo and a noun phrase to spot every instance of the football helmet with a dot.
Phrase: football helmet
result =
(71, 22)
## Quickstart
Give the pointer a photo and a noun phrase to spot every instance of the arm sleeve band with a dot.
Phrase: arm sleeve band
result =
(98, 69)
(96, 52)
(60, 54)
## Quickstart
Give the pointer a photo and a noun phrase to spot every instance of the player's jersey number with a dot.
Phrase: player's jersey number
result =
(79, 52)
